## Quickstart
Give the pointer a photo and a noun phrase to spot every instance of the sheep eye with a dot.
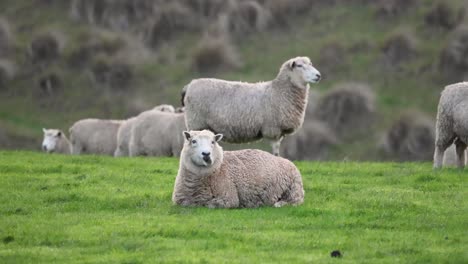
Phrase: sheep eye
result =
(194, 141)
(212, 142)
(299, 65)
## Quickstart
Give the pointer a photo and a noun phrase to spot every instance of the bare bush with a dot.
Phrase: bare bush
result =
(116, 75)
(332, 59)
(410, 137)
(215, 53)
(348, 109)
(6, 40)
(398, 48)
(454, 57)
(246, 17)
(445, 16)
(46, 47)
(50, 85)
(392, 8)
(7, 73)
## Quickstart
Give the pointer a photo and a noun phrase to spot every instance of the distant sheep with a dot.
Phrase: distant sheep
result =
(452, 123)
(245, 112)
(156, 133)
(246, 178)
(94, 136)
(55, 141)
(125, 131)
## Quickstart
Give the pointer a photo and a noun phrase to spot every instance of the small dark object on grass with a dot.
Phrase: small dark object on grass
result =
(336, 254)
(8, 239)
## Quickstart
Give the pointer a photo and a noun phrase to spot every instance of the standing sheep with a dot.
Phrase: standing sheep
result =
(55, 141)
(244, 178)
(244, 112)
(155, 133)
(450, 157)
(125, 129)
(94, 136)
(452, 123)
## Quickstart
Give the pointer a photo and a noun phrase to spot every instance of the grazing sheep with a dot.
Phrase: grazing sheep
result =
(94, 136)
(124, 133)
(244, 112)
(452, 123)
(55, 141)
(246, 178)
(155, 133)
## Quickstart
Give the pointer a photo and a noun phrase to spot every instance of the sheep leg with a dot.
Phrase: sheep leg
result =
(275, 145)
(460, 148)
(440, 146)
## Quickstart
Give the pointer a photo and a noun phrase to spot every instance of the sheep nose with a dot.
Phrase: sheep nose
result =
(318, 76)
(44, 147)
(206, 154)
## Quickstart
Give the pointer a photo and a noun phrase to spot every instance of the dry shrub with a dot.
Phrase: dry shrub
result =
(282, 10)
(246, 17)
(348, 109)
(215, 53)
(398, 48)
(92, 45)
(90, 11)
(50, 85)
(170, 20)
(5, 37)
(46, 47)
(116, 75)
(7, 72)
(445, 16)
(311, 142)
(411, 137)
(332, 59)
(208, 9)
(454, 57)
(392, 8)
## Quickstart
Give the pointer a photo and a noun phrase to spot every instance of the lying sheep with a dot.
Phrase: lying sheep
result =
(246, 178)
(452, 123)
(154, 133)
(124, 133)
(55, 141)
(94, 136)
(244, 112)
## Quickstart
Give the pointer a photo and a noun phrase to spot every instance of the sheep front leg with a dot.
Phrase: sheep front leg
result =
(275, 146)
(441, 144)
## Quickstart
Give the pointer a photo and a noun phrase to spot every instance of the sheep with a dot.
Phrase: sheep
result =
(124, 133)
(251, 178)
(94, 136)
(55, 141)
(154, 134)
(452, 123)
(245, 112)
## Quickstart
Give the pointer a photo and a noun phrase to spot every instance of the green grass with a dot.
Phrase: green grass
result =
(89, 209)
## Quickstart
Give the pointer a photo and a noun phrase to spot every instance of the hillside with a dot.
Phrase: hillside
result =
(75, 209)
(65, 60)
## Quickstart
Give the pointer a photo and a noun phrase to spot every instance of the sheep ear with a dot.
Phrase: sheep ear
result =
(187, 135)
(59, 134)
(218, 137)
(44, 130)
(292, 64)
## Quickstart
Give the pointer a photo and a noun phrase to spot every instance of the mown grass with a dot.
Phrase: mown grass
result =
(88, 209)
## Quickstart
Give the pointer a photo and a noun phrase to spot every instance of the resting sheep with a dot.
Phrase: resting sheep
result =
(452, 123)
(246, 178)
(124, 133)
(245, 112)
(154, 133)
(55, 141)
(94, 136)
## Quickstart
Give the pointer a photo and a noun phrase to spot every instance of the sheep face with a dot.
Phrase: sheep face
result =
(302, 71)
(51, 138)
(202, 147)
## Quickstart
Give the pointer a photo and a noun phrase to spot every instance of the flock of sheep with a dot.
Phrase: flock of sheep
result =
(237, 112)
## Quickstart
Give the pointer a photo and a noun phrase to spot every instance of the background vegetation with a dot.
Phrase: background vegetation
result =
(61, 61)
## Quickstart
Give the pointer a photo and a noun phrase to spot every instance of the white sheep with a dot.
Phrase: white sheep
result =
(155, 133)
(245, 112)
(55, 141)
(452, 123)
(94, 136)
(125, 129)
(245, 178)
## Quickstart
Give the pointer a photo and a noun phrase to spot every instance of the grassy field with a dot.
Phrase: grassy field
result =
(88, 209)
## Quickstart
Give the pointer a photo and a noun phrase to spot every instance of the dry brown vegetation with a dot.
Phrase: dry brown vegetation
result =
(398, 48)
(6, 41)
(445, 16)
(454, 57)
